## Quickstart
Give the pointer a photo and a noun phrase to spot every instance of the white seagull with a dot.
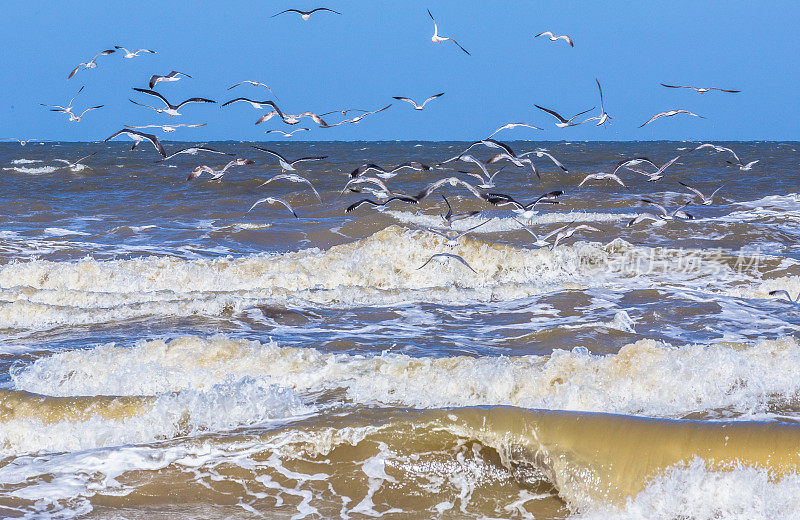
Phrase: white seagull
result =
(443, 257)
(440, 39)
(216, 174)
(172, 76)
(74, 166)
(254, 83)
(417, 106)
(273, 200)
(138, 137)
(736, 160)
(287, 134)
(601, 176)
(292, 177)
(668, 215)
(129, 54)
(542, 153)
(701, 90)
(562, 122)
(603, 117)
(540, 241)
(255, 104)
(452, 239)
(171, 110)
(670, 113)
(509, 126)
(91, 64)
(569, 232)
(193, 151)
(167, 128)
(290, 119)
(286, 164)
(705, 201)
(451, 217)
(744, 167)
(306, 14)
(651, 176)
(356, 119)
(554, 38)
(401, 198)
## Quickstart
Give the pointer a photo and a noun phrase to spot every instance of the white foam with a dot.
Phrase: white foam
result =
(33, 171)
(61, 232)
(695, 491)
(646, 377)
(25, 161)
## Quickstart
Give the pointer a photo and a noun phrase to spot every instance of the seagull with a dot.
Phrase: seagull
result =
(273, 200)
(564, 123)
(287, 165)
(784, 292)
(542, 153)
(527, 210)
(364, 168)
(452, 181)
(385, 192)
(138, 137)
(293, 177)
(291, 119)
(167, 128)
(666, 215)
(540, 241)
(91, 64)
(345, 111)
(75, 117)
(414, 165)
(172, 76)
(705, 201)
(440, 39)
(452, 240)
(216, 174)
(509, 126)
(464, 157)
(601, 176)
(625, 163)
(554, 38)
(443, 257)
(76, 165)
(416, 106)
(670, 113)
(193, 151)
(603, 117)
(129, 54)
(520, 163)
(306, 14)
(21, 142)
(736, 160)
(171, 109)
(256, 104)
(249, 82)
(357, 118)
(642, 217)
(701, 90)
(451, 217)
(488, 181)
(66, 109)
(569, 232)
(745, 167)
(287, 134)
(401, 198)
(656, 175)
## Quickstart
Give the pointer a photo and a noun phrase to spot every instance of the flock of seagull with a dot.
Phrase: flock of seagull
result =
(370, 178)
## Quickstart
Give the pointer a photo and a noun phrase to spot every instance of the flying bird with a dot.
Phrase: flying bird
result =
(255, 104)
(540, 240)
(670, 113)
(249, 82)
(287, 134)
(138, 137)
(129, 54)
(91, 64)
(452, 240)
(527, 210)
(443, 257)
(451, 217)
(292, 177)
(554, 38)
(701, 90)
(274, 200)
(416, 106)
(193, 151)
(172, 76)
(292, 119)
(356, 119)
(669, 215)
(784, 292)
(171, 110)
(216, 174)
(509, 126)
(744, 167)
(603, 117)
(542, 153)
(306, 14)
(705, 201)
(167, 128)
(562, 122)
(440, 39)
(286, 164)
(75, 117)
(401, 198)
(569, 232)
(74, 166)
(602, 176)
(652, 176)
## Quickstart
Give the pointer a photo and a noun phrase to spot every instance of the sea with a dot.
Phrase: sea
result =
(166, 353)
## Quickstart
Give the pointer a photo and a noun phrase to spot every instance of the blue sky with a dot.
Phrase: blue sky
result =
(377, 49)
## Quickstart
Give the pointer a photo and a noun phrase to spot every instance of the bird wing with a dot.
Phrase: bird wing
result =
(287, 11)
(694, 190)
(153, 93)
(724, 90)
(553, 113)
(468, 54)
(276, 154)
(324, 9)
(432, 98)
(195, 100)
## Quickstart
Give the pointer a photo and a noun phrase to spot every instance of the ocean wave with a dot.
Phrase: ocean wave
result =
(645, 377)
(382, 269)
(32, 171)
